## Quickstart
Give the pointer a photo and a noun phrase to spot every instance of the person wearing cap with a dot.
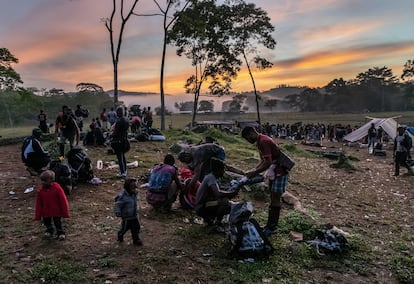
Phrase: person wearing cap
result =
(34, 156)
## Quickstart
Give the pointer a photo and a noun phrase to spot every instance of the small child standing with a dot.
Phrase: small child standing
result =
(126, 207)
(51, 205)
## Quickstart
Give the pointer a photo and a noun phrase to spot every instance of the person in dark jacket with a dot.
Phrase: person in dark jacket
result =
(126, 207)
(119, 141)
(402, 146)
(34, 156)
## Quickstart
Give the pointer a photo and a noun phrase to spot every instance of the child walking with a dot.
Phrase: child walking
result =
(126, 207)
(51, 205)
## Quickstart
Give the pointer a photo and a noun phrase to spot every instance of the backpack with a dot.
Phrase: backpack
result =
(63, 175)
(80, 164)
(246, 237)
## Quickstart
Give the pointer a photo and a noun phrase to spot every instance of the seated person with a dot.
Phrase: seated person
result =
(34, 156)
(212, 203)
(163, 184)
(198, 159)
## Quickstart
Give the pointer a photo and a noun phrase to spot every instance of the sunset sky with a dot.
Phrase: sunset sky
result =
(60, 43)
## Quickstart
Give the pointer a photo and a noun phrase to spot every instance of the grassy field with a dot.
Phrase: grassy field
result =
(178, 121)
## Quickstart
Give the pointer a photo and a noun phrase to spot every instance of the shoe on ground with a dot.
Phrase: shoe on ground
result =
(121, 175)
(120, 239)
(47, 235)
(61, 237)
(269, 231)
(138, 243)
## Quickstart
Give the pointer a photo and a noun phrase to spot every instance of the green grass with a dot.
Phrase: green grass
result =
(58, 271)
(403, 268)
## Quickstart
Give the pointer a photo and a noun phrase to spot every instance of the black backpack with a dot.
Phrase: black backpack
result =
(63, 175)
(246, 237)
(80, 164)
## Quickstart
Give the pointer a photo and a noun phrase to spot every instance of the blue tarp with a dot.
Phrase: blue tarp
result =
(410, 129)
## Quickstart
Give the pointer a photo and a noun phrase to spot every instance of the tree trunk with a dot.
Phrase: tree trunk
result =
(164, 47)
(254, 88)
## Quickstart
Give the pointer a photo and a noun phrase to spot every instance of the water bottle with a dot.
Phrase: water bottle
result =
(99, 165)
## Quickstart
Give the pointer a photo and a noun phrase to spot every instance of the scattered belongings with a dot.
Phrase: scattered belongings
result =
(329, 241)
(315, 144)
(333, 155)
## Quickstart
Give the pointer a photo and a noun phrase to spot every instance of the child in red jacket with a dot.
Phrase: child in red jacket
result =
(51, 205)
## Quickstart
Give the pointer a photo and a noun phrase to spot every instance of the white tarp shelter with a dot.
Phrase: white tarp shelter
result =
(388, 124)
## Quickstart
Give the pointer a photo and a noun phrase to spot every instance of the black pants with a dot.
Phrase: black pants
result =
(401, 160)
(214, 214)
(57, 221)
(122, 162)
(130, 224)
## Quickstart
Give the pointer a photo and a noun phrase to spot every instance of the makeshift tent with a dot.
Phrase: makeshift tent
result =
(410, 129)
(388, 124)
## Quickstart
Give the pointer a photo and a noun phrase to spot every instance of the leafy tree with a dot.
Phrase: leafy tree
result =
(55, 92)
(235, 106)
(377, 82)
(9, 78)
(158, 110)
(408, 71)
(271, 103)
(408, 77)
(340, 90)
(115, 50)
(202, 35)
(184, 106)
(89, 88)
(251, 28)
(206, 106)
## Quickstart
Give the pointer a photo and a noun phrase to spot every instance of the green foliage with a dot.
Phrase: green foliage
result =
(106, 262)
(9, 78)
(344, 163)
(294, 150)
(22, 106)
(403, 268)
(58, 271)
(298, 222)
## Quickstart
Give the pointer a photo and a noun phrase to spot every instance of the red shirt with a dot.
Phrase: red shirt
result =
(268, 148)
(51, 202)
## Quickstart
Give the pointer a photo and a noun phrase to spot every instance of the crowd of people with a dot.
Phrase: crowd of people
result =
(196, 184)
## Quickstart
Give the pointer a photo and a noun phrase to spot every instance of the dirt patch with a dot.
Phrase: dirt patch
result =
(370, 202)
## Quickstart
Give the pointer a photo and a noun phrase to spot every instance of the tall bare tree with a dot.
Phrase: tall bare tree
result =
(168, 20)
(117, 42)
(252, 28)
